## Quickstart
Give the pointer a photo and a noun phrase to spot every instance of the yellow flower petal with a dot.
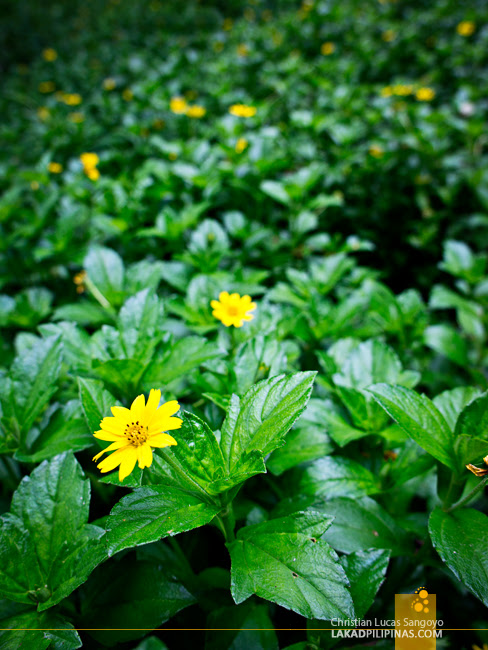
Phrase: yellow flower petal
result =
(111, 462)
(165, 424)
(138, 408)
(161, 440)
(120, 412)
(127, 464)
(152, 402)
(106, 435)
(144, 456)
(115, 445)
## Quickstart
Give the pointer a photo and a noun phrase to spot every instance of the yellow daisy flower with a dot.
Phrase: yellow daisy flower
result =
(109, 83)
(466, 28)
(242, 110)
(376, 151)
(134, 432)
(241, 144)
(232, 309)
(178, 105)
(49, 54)
(72, 99)
(55, 168)
(425, 94)
(127, 94)
(327, 48)
(195, 111)
(89, 159)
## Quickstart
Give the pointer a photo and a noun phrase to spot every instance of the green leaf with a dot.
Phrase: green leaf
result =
(150, 513)
(448, 342)
(452, 402)
(95, 401)
(473, 420)
(419, 418)
(362, 524)
(23, 628)
(122, 376)
(260, 421)
(33, 374)
(333, 476)
(366, 572)
(47, 549)
(139, 325)
(84, 313)
(184, 356)
(285, 561)
(461, 539)
(276, 191)
(130, 593)
(242, 626)
(106, 270)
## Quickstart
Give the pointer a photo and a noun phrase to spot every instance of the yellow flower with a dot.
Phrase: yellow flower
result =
(172, 155)
(241, 110)
(242, 49)
(49, 54)
(109, 83)
(133, 432)
(402, 89)
(425, 94)
(55, 168)
(127, 94)
(34, 185)
(376, 151)
(232, 309)
(195, 111)
(90, 162)
(46, 86)
(79, 280)
(89, 159)
(478, 471)
(387, 91)
(327, 48)
(178, 105)
(43, 113)
(76, 117)
(466, 28)
(72, 99)
(241, 144)
(388, 36)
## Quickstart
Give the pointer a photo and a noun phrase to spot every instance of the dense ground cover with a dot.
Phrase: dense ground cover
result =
(328, 160)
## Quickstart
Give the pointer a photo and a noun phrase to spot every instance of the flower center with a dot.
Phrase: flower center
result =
(232, 311)
(136, 433)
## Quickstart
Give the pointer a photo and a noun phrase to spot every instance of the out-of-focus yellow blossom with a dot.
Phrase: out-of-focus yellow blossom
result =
(242, 110)
(79, 280)
(55, 168)
(47, 86)
(127, 94)
(34, 185)
(232, 309)
(43, 113)
(72, 99)
(218, 46)
(172, 155)
(388, 36)
(466, 28)
(76, 117)
(242, 49)
(196, 111)
(425, 94)
(327, 48)
(49, 54)
(228, 24)
(387, 91)
(402, 89)
(376, 151)
(178, 105)
(90, 162)
(241, 144)
(109, 83)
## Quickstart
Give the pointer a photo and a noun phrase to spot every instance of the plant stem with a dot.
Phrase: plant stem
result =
(226, 522)
(469, 496)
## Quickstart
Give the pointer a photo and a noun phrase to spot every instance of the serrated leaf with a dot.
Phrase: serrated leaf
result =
(47, 549)
(264, 415)
(150, 513)
(366, 572)
(95, 401)
(284, 560)
(419, 418)
(461, 539)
